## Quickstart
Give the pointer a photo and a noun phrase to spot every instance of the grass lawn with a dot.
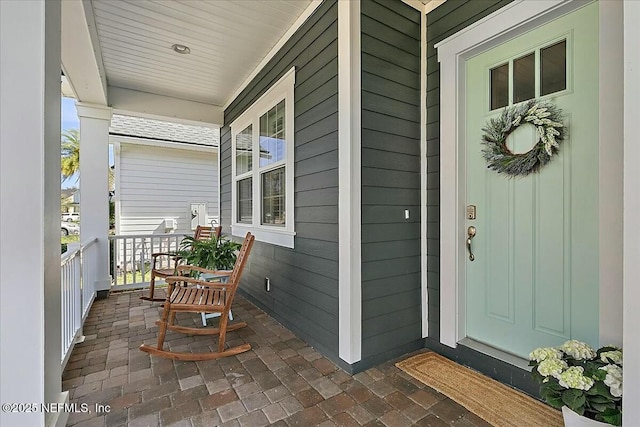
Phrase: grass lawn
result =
(129, 276)
(72, 238)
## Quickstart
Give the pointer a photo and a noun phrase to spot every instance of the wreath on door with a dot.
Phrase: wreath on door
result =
(545, 116)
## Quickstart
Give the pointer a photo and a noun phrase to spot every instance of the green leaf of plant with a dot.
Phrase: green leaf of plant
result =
(601, 389)
(611, 416)
(573, 398)
(599, 399)
(554, 385)
(555, 401)
(599, 407)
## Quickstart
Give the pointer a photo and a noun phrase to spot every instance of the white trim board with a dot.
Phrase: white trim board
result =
(283, 89)
(424, 292)
(349, 178)
(508, 22)
(631, 339)
(164, 144)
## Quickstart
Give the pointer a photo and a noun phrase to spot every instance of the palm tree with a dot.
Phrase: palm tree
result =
(70, 150)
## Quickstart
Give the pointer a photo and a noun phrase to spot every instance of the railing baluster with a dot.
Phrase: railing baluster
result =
(124, 258)
(133, 254)
(77, 275)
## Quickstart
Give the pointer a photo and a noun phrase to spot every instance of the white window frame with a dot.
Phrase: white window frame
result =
(283, 89)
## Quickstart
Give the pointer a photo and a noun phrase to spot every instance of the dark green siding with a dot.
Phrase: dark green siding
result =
(304, 295)
(391, 316)
(444, 21)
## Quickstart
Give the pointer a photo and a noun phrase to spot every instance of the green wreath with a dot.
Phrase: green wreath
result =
(545, 116)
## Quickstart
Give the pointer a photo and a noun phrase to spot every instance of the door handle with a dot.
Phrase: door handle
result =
(471, 233)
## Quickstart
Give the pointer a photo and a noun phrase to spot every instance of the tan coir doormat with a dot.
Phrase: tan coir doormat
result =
(492, 401)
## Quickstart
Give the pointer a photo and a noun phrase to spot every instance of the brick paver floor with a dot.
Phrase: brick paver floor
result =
(281, 381)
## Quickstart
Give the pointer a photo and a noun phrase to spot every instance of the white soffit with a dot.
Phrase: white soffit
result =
(81, 59)
(228, 39)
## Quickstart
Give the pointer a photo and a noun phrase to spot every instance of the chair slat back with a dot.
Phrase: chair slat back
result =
(243, 255)
(204, 232)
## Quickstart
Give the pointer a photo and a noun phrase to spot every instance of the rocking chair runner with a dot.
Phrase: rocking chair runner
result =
(202, 233)
(188, 294)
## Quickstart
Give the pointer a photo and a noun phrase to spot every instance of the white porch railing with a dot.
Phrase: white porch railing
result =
(131, 257)
(77, 272)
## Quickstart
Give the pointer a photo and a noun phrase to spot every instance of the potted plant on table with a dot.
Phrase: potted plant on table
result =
(213, 254)
(579, 379)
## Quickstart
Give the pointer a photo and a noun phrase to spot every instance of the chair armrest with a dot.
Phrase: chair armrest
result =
(193, 281)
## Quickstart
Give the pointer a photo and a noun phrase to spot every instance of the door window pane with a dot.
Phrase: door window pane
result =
(553, 68)
(524, 78)
(272, 136)
(244, 160)
(245, 195)
(500, 86)
(273, 197)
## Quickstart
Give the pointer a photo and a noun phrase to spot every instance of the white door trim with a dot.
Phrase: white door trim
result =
(631, 387)
(506, 23)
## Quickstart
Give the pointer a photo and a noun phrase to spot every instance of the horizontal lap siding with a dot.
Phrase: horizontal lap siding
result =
(390, 177)
(444, 21)
(157, 183)
(304, 280)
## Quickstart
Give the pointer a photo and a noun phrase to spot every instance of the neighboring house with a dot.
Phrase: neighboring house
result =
(163, 172)
(374, 263)
(70, 201)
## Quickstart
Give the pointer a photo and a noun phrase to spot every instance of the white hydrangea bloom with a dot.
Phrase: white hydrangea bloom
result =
(613, 379)
(574, 377)
(612, 356)
(542, 353)
(552, 367)
(578, 350)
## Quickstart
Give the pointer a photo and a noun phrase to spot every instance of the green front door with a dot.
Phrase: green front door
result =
(534, 280)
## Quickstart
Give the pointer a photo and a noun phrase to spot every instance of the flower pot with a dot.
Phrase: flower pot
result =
(571, 419)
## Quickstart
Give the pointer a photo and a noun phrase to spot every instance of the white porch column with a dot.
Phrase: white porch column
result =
(30, 296)
(94, 186)
(349, 175)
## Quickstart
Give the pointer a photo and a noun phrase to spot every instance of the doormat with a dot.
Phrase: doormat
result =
(492, 401)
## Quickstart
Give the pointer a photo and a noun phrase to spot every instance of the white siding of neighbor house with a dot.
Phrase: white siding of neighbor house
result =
(155, 183)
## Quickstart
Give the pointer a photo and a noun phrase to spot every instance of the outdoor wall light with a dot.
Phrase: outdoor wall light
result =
(180, 48)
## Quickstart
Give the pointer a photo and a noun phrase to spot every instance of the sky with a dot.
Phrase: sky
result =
(69, 114)
(70, 121)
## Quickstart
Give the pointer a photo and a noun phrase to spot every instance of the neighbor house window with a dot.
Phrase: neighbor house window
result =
(262, 166)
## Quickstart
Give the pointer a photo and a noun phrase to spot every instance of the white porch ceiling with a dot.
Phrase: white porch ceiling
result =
(227, 39)
(118, 52)
(131, 42)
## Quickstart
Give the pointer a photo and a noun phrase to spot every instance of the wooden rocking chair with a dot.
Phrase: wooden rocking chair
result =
(188, 294)
(202, 233)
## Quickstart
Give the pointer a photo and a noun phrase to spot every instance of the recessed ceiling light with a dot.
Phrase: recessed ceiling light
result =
(180, 48)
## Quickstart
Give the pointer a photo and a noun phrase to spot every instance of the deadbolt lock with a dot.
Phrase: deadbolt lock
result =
(471, 212)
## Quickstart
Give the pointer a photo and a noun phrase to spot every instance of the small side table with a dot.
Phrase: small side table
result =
(222, 278)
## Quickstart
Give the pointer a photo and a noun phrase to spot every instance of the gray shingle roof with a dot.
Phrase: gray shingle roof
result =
(166, 131)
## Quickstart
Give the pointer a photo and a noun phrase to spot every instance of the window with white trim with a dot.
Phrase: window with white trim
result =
(262, 166)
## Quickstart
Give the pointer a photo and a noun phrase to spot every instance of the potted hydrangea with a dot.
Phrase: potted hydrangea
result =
(577, 378)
